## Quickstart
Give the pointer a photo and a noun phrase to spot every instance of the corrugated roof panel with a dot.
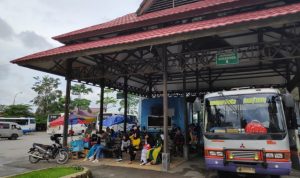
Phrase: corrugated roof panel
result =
(133, 18)
(169, 31)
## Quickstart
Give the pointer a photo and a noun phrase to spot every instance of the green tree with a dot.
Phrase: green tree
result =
(2, 107)
(80, 103)
(108, 99)
(79, 90)
(48, 95)
(19, 110)
(132, 103)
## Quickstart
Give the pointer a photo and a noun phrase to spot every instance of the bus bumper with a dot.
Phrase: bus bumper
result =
(273, 168)
(25, 131)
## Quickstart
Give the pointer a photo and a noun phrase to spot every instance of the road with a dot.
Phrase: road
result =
(14, 160)
(12, 151)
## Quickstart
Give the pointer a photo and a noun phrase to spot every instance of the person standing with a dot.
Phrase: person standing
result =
(178, 143)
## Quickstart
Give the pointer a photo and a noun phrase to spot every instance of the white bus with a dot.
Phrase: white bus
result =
(59, 129)
(27, 124)
(246, 131)
(132, 121)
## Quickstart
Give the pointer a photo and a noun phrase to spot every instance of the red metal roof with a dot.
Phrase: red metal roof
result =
(166, 32)
(132, 18)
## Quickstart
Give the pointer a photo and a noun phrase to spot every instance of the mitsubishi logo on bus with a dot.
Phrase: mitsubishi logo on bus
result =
(242, 146)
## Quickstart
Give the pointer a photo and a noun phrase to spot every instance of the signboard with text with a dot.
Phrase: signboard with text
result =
(227, 58)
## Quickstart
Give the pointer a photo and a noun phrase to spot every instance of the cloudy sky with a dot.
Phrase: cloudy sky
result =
(27, 27)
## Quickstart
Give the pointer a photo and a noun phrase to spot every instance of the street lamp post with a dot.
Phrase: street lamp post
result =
(16, 96)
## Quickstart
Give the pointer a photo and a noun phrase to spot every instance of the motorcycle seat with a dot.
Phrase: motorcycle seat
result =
(42, 146)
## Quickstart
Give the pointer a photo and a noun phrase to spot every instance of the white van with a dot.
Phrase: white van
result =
(10, 130)
(27, 124)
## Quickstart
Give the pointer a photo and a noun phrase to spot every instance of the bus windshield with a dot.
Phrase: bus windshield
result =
(244, 114)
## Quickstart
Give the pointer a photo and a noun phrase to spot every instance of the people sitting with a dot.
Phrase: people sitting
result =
(145, 150)
(134, 146)
(124, 147)
(87, 140)
(136, 131)
(95, 151)
(148, 143)
(153, 154)
(115, 147)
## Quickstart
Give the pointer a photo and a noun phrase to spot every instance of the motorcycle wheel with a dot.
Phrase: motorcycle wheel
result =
(33, 159)
(62, 157)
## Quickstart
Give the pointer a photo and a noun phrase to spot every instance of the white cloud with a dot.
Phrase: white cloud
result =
(26, 28)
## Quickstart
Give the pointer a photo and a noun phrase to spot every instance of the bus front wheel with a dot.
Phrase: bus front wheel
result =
(275, 176)
(223, 174)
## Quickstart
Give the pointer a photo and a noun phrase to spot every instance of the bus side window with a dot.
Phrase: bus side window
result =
(289, 110)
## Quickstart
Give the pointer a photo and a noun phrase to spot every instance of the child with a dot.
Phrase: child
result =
(144, 154)
(125, 143)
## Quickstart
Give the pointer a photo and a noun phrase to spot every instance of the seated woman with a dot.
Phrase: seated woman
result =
(96, 150)
(153, 154)
(124, 147)
(134, 146)
(148, 143)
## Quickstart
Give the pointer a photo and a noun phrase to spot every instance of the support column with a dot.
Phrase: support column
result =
(125, 102)
(166, 154)
(102, 85)
(67, 102)
(197, 89)
(186, 133)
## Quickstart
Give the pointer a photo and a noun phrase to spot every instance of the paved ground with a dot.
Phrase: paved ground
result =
(14, 159)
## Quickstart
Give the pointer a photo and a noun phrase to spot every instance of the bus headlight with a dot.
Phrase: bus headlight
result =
(278, 156)
(269, 155)
(212, 153)
(219, 153)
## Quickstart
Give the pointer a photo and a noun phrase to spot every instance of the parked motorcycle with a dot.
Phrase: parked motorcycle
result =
(45, 152)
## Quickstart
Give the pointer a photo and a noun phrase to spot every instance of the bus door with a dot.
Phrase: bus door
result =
(292, 114)
(296, 155)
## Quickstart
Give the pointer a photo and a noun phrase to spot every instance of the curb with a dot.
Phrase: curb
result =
(86, 173)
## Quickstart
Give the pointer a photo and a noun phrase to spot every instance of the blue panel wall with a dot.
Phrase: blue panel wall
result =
(175, 103)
